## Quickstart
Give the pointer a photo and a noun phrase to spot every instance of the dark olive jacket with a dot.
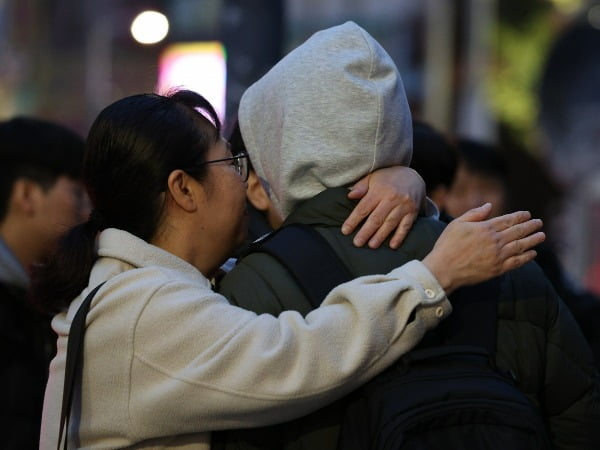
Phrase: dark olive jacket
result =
(537, 339)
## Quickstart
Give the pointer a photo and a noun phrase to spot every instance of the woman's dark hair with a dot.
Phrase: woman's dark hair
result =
(132, 147)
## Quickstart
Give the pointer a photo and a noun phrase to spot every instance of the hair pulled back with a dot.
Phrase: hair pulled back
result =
(132, 147)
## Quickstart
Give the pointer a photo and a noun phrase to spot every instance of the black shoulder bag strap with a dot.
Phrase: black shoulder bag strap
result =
(308, 257)
(74, 352)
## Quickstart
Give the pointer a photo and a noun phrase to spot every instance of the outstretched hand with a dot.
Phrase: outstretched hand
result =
(390, 200)
(472, 249)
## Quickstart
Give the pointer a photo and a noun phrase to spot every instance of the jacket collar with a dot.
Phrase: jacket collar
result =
(330, 208)
(136, 252)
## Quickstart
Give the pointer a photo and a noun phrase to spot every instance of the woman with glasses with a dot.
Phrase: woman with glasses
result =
(165, 359)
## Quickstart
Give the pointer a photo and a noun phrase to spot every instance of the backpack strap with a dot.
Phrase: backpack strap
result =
(74, 352)
(317, 269)
(308, 257)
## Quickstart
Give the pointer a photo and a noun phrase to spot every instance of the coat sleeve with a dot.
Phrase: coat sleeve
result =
(236, 368)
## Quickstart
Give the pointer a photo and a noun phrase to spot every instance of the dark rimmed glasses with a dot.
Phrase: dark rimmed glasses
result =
(239, 162)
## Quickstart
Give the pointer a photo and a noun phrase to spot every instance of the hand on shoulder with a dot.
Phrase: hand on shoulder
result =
(472, 249)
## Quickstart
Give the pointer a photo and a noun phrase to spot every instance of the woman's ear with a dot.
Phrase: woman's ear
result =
(183, 191)
(256, 193)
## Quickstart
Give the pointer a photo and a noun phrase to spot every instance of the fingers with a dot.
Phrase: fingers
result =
(520, 246)
(516, 232)
(386, 197)
(380, 224)
(476, 214)
(517, 261)
(470, 251)
(362, 210)
(509, 220)
(398, 221)
(402, 230)
(384, 219)
(359, 190)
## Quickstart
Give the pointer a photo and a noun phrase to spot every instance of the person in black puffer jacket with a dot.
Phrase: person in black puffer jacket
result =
(310, 149)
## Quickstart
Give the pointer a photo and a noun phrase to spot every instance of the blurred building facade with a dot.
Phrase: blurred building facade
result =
(66, 59)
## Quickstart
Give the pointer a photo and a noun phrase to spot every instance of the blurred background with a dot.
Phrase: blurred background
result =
(521, 74)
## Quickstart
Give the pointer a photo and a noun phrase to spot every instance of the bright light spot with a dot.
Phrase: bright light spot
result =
(149, 27)
(594, 16)
(197, 66)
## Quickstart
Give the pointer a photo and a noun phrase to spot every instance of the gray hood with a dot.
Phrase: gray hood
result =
(331, 111)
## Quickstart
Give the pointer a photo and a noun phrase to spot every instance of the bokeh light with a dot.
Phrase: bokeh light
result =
(198, 66)
(594, 16)
(568, 6)
(150, 27)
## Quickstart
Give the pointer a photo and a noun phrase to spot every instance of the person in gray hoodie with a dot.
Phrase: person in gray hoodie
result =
(331, 111)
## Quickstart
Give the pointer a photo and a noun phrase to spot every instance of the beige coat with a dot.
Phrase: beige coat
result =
(166, 359)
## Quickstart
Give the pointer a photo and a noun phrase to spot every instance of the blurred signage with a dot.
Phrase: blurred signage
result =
(197, 66)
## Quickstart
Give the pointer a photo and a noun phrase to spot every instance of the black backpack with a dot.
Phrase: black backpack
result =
(445, 394)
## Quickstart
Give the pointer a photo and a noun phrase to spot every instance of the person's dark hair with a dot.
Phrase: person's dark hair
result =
(237, 144)
(132, 147)
(434, 156)
(483, 158)
(38, 150)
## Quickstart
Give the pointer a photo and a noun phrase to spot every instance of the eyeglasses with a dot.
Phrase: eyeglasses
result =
(239, 162)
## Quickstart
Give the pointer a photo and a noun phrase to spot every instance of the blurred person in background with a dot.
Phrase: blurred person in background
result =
(41, 196)
(481, 176)
(569, 125)
(360, 120)
(514, 179)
